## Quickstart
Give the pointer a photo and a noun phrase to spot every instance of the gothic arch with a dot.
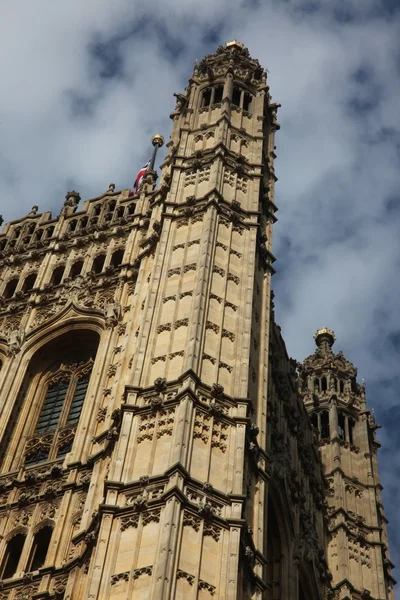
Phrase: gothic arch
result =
(46, 522)
(51, 395)
(15, 531)
(70, 317)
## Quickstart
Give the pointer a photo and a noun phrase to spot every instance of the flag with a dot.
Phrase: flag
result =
(139, 178)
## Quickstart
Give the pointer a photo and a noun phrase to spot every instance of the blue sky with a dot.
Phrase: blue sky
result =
(86, 84)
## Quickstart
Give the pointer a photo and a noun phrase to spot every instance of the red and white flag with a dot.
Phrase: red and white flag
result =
(139, 178)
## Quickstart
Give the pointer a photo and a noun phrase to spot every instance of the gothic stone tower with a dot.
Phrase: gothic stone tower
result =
(345, 429)
(153, 441)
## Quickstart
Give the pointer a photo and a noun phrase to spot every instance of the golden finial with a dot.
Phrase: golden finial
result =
(234, 43)
(157, 140)
(326, 331)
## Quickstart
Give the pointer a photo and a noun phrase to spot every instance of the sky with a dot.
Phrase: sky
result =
(86, 84)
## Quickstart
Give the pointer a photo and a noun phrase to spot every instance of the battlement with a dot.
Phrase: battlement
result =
(38, 231)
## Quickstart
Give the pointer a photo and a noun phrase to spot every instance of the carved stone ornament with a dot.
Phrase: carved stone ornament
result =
(15, 341)
(217, 390)
(117, 577)
(112, 313)
(160, 384)
(183, 575)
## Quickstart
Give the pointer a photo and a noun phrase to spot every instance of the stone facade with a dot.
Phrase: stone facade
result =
(156, 440)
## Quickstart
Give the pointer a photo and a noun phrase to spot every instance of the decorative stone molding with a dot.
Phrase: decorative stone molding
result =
(183, 575)
(203, 585)
(142, 571)
(119, 577)
(190, 520)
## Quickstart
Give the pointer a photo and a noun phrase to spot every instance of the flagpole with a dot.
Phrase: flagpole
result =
(157, 140)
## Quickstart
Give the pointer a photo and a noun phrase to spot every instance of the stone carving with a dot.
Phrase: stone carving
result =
(117, 577)
(217, 390)
(183, 575)
(212, 326)
(191, 520)
(15, 341)
(112, 313)
(129, 521)
(143, 571)
(160, 384)
(203, 585)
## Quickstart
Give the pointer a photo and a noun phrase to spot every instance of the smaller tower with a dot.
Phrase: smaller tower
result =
(345, 432)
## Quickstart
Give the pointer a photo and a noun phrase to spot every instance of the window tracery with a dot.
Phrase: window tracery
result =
(64, 395)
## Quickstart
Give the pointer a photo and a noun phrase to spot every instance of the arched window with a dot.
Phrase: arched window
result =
(206, 98)
(3, 244)
(51, 399)
(49, 231)
(116, 258)
(12, 555)
(38, 235)
(316, 384)
(15, 233)
(236, 95)
(40, 546)
(98, 263)
(10, 288)
(76, 269)
(247, 98)
(83, 223)
(72, 225)
(97, 210)
(62, 405)
(57, 275)
(111, 205)
(29, 282)
(324, 419)
(320, 423)
(324, 385)
(342, 387)
(212, 95)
